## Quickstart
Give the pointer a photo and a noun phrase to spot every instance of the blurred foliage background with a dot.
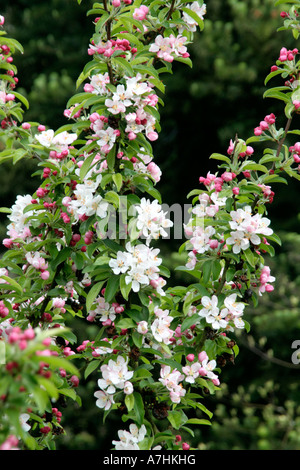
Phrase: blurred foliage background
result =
(258, 406)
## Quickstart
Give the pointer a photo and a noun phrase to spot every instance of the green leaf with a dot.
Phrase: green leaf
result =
(86, 166)
(137, 339)
(254, 166)
(112, 245)
(125, 288)
(113, 198)
(177, 418)
(49, 386)
(111, 158)
(90, 368)
(61, 257)
(198, 421)
(277, 94)
(124, 64)
(118, 180)
(219, 156)
(126, 323)
(129, 402)
(112, 287)
(11, 284)
(216, 269)
(275, 238)
(5, 210)
(189, 321)
(206, 271)
(195, 17)
(68, 392)
(41, 398)
(281, 2)
(57, 363)
(22, 99)
(138, 408)
(93, 292)
(272, 74)
(249, 256)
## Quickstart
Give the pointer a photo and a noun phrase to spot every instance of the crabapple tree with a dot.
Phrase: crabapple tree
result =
(84, 244)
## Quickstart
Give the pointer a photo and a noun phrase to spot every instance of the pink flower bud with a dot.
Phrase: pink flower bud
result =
(257, 131)
(202, 356)
(29, 333)
(45, 430)
(213, 244)
(190, 357)
(152, 136)
(74, 380)
(296, 103)
(264, 125)
(45, 275)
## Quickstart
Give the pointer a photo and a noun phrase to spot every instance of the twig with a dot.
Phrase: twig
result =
(288, 125)
(266, 357)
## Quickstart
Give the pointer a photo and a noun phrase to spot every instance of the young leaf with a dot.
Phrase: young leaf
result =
(112, 287)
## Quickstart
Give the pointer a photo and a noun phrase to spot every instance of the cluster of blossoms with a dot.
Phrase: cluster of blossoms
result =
(265, 124)
(215, 183)
(4, 311)
(11, 443)
(203, 238)
(169, 47)
(14, 335)
(107, 48)
(160, 327)
(295, 150)
(171, 379)
(265, 279)
(208, 205)
(287, 54)
(115, 375)
(104, 134)
(224, 317)
(131, 100)
(267, 192)
(85, 201)
(141, 13)
(59, 142)
(151, 220)
(19, 227)
(129, 439)
(97, 84)
(189, 23)
(105, 310)
(144, 163)
(5, 97)
(286, 62)
(39, 263)
(247, 229)
(201, 368)
(140, 263)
